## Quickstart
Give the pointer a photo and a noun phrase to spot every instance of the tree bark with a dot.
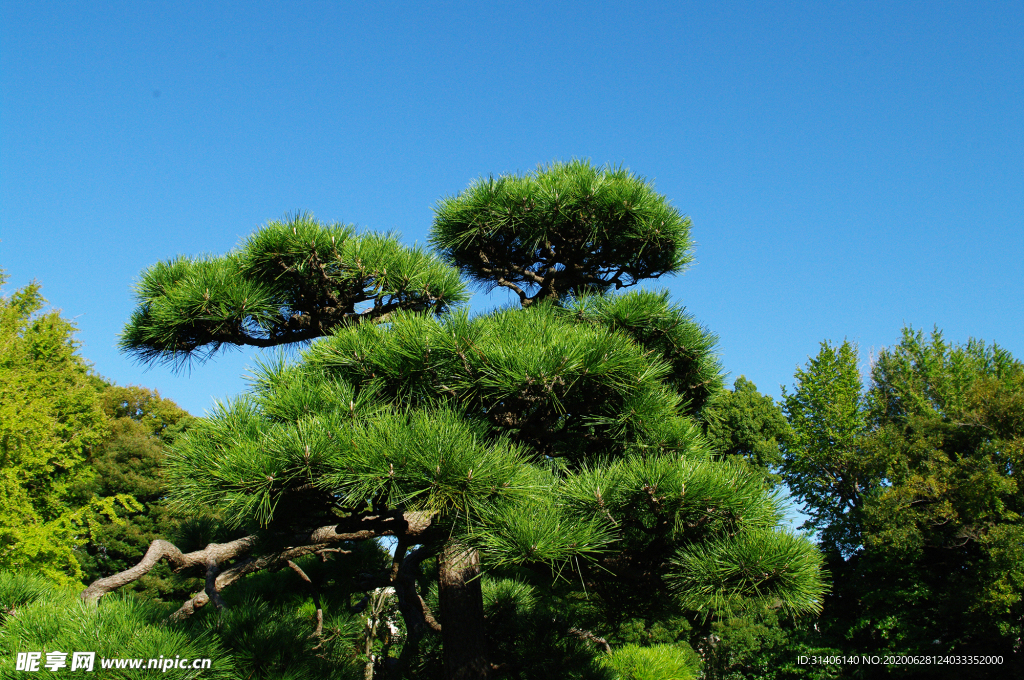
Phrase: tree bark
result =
(410, 525)
(462, 613)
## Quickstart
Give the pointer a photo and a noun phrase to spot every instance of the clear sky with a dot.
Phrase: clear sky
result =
(850, 167)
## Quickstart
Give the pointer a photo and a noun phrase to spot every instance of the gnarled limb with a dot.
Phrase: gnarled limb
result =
(358, 527)
(160, 550)
(590, 637)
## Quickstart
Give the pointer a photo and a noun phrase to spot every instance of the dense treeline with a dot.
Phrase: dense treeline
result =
(51, 418)
(913, 484)
(565, 489)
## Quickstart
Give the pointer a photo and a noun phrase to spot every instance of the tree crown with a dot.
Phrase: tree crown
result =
(561, 230)
(288, 282)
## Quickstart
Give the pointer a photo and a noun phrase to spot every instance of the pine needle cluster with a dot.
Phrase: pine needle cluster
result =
(562, 439)
(289, 282)
(564, 229)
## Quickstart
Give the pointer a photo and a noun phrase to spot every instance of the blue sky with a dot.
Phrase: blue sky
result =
(850, 167)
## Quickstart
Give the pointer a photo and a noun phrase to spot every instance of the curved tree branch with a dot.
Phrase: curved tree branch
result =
(315, 594)
(408, 525)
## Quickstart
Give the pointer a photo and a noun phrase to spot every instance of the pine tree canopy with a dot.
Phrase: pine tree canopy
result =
(665, 329)
(289, 282)
(566, 389)
(562, 438)
(462, 419)
(562, 230)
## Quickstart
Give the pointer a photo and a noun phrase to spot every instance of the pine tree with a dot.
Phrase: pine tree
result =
(560, 441)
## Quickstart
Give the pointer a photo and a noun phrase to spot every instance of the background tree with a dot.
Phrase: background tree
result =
(129, 461)
(932, 538)
(750, 426)
(81, 457)
(558, 438)
(826, 466)
(50, 418)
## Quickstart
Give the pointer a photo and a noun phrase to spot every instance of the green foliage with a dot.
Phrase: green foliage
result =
(18, 590)
(160, 418)
(289, 282)
(925, 471)
(49, 618)
(79, 463)
(262, 635)
(286, 435)
(50, 418)
(657, 662)
(693, 497)
(425, 460)
(656, 324)
(272, 640)
(747, 425)
(524, 383)
(530, 624)
(947, 421)
(358, 423)
(128, 462)
(825, 465)
(753, 641)
(560, 388)
(563, 443)
(767, 565)
(562, 230)
(541, 529)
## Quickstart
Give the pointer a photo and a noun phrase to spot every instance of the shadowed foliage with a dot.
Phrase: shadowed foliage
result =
(915, 485)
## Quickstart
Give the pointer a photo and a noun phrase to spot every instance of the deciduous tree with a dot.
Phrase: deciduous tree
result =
(750, 426)
(129, 462)
(917, 482)
(50, 418)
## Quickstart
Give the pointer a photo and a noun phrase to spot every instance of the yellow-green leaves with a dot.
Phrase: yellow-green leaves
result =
(50, 416)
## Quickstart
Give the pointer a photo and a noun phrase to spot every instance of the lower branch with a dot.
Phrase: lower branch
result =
(590, 637)
(316, 597)
(412, 524)
(160, 550)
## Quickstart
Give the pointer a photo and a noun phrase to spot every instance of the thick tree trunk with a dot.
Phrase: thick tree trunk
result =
(462, 613)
